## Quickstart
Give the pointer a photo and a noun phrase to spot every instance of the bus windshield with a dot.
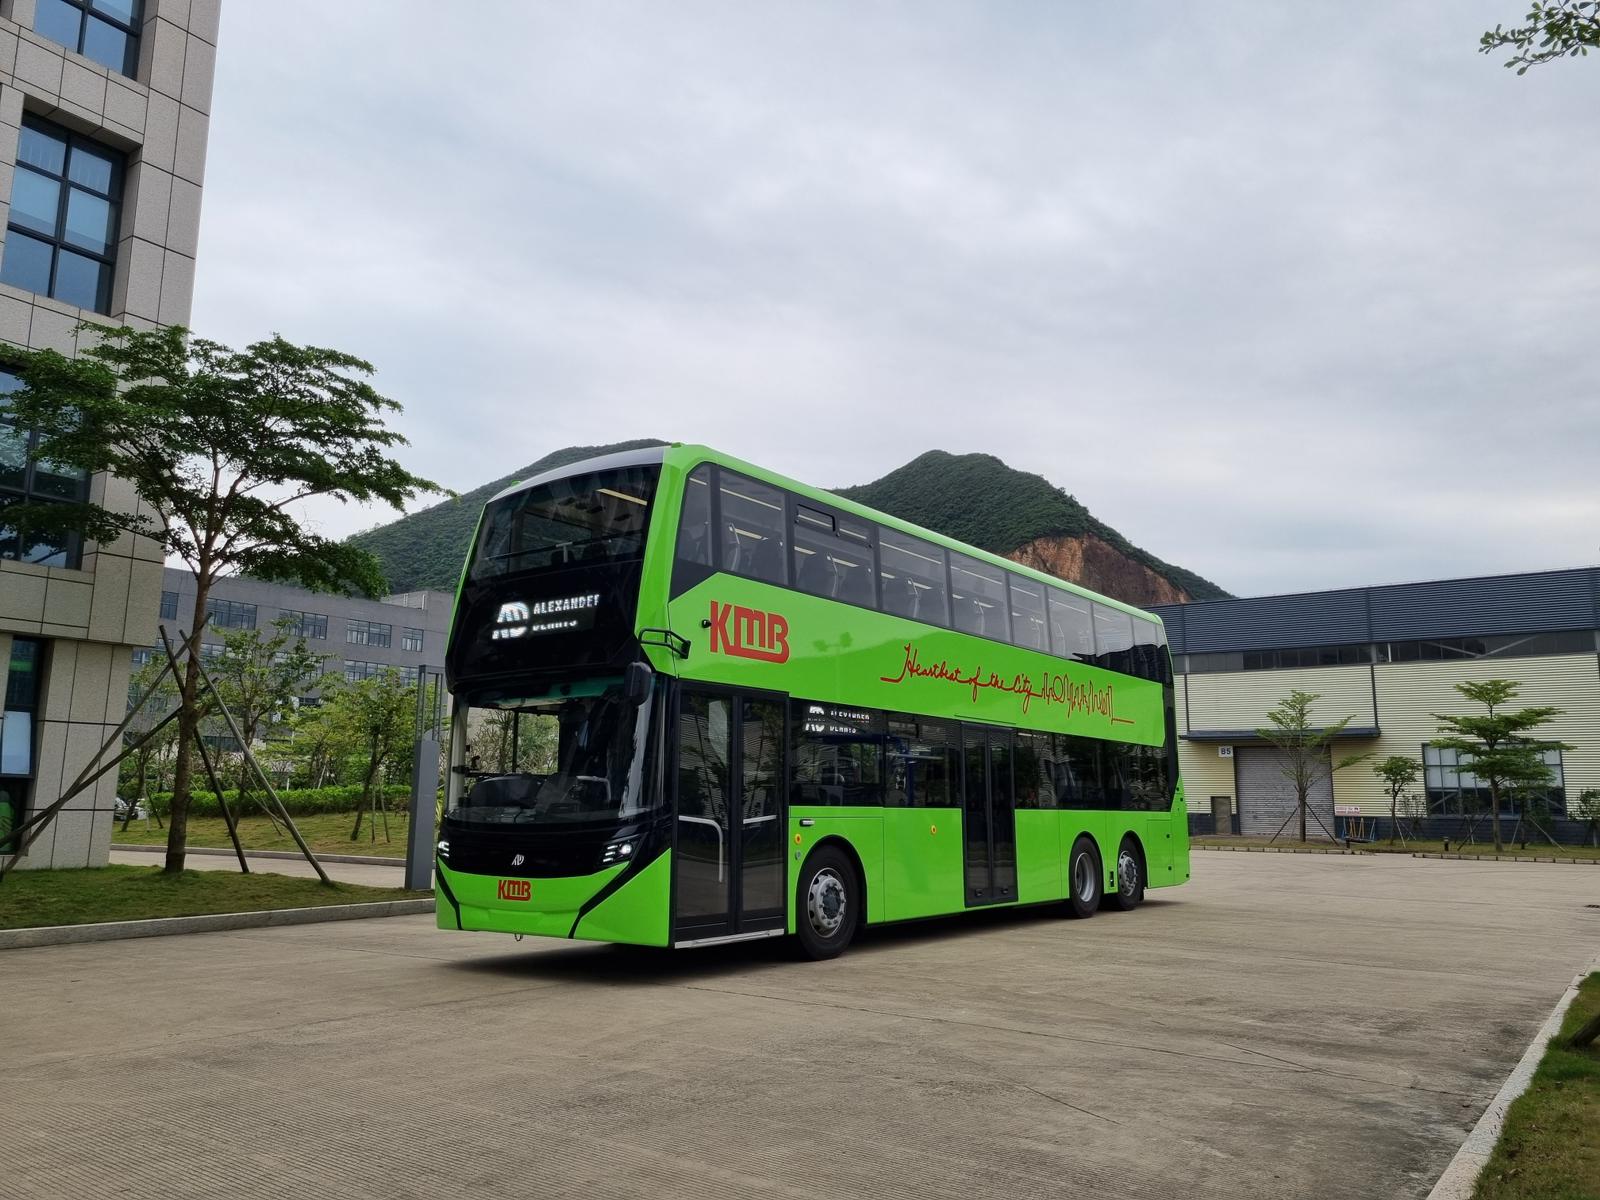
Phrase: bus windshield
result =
(592, 518)
(574, 760)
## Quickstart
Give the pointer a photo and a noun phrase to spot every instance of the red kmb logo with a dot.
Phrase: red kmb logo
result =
(515, 889)
(749, 633)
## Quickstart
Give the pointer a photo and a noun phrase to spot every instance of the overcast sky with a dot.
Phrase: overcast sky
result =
(1296, 296)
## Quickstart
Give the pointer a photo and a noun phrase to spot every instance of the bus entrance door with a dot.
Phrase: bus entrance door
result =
(729, 865)
(989, 834)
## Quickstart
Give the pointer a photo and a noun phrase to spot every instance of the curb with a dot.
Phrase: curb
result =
(115, 931)
(1278, 849)
(1577, 862)
(1460, 1178)
(367, 860)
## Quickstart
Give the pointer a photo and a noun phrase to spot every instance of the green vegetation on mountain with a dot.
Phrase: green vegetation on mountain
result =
(978, 499)
(427, 548)
(975, 498)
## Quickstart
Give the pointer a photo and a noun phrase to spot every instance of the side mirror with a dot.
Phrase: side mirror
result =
(637, 681)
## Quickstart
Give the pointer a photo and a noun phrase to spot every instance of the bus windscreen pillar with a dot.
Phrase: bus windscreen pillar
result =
(424, 800)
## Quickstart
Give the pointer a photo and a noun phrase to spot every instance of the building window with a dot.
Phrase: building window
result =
(411, 639)
(368, 633)
(16, 733)
(25, 478)
(309, 625)
(230, 614)
(1453, 790)
(61, 240)
(355, 670)
(104, 30)
(169, 606)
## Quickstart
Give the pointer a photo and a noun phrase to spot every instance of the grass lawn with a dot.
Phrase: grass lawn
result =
(1548, 1149)
(1534, 850)
(74, 897)
(328, 833)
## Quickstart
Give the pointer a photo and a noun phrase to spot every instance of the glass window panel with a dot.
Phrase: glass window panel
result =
(924, 763)
(1071, 626)
(837, 755)
(126, 11)
(1027, 613)
(35, 202)
(978, 597)
(913, 578)
(1113, 637)
(694, 525)
(831, 564)
(13, 457)
(753, 529)
(58, 482)
(26, 263)
(37, 148)
(90, 222)
(82, 281)
(92, 168)
(108, 46)
(58, 21)
(16, 743)
(35, 546)
(22, 679)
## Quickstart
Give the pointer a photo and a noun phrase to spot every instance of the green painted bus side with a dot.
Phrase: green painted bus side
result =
(910, 860)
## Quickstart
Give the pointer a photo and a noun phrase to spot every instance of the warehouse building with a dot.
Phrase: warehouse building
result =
(1388, 658)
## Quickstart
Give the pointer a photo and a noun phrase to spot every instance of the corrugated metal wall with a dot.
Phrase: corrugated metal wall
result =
(1240, 699)
(1541, 601)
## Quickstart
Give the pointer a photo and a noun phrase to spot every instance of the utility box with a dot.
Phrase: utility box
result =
(1222, 815)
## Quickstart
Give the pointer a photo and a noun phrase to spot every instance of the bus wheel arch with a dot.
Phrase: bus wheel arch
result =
(830, 875)
(1132, 875)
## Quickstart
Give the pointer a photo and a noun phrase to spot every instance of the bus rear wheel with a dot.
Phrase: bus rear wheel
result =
(827, 904)
(1083, 876)
(1130, 878)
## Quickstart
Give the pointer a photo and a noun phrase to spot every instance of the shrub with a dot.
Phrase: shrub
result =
(301, 802)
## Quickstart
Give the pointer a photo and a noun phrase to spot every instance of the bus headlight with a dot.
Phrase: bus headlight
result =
(617, 852)
(444, 851)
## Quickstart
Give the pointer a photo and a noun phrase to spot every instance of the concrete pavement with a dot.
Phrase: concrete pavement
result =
(1284, 1026)
(364, 873)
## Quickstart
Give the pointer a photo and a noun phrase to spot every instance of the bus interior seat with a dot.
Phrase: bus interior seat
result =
(766, 560)
(814, 575)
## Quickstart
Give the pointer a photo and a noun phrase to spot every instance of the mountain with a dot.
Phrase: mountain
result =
(974, 498)
(978, 499)
(427, 548)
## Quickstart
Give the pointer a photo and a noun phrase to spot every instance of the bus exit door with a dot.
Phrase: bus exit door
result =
(989, 825)
(729, 842)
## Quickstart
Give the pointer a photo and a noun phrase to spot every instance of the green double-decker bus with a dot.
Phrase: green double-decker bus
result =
(696, 702)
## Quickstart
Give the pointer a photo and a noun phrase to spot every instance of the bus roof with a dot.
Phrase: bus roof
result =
(685, 456)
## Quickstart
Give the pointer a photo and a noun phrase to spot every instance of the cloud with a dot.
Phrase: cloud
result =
(1296, 298)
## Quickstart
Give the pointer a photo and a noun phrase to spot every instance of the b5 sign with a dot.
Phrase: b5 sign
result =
(749, 633)
(514, 889)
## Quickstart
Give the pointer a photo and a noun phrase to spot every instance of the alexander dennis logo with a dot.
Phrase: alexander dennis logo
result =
(515, 889)
(748, 633)
(519, 618)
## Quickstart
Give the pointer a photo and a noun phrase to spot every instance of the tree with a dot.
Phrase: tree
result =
(378, 715)
(1555, 30)
(1305, 747)
(220, 445)
(1398, 773)
(1587, 810)
(1495, 747)
(151, 752)
(260, 679)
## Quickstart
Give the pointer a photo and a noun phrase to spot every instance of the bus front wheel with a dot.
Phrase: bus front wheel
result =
(1130, 878)
(827, 904)
(1083, 870)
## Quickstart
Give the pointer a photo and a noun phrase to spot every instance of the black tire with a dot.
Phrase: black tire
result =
(1083, 879)
(827, 904)
(1130, 878)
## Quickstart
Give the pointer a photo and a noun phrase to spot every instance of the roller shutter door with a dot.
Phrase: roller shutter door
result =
(1266, 796)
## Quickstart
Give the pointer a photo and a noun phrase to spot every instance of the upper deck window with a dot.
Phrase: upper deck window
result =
(599, 517)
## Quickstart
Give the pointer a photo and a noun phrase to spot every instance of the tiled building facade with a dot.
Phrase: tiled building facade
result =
(104, 115)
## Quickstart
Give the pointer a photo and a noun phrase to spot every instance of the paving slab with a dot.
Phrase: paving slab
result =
(1284, 1026)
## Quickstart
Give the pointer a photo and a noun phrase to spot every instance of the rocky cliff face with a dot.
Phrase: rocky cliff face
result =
(1101, 567)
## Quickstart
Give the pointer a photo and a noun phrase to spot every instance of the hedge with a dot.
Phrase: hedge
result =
(301, 802)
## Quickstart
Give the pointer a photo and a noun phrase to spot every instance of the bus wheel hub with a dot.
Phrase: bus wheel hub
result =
(825, 903)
